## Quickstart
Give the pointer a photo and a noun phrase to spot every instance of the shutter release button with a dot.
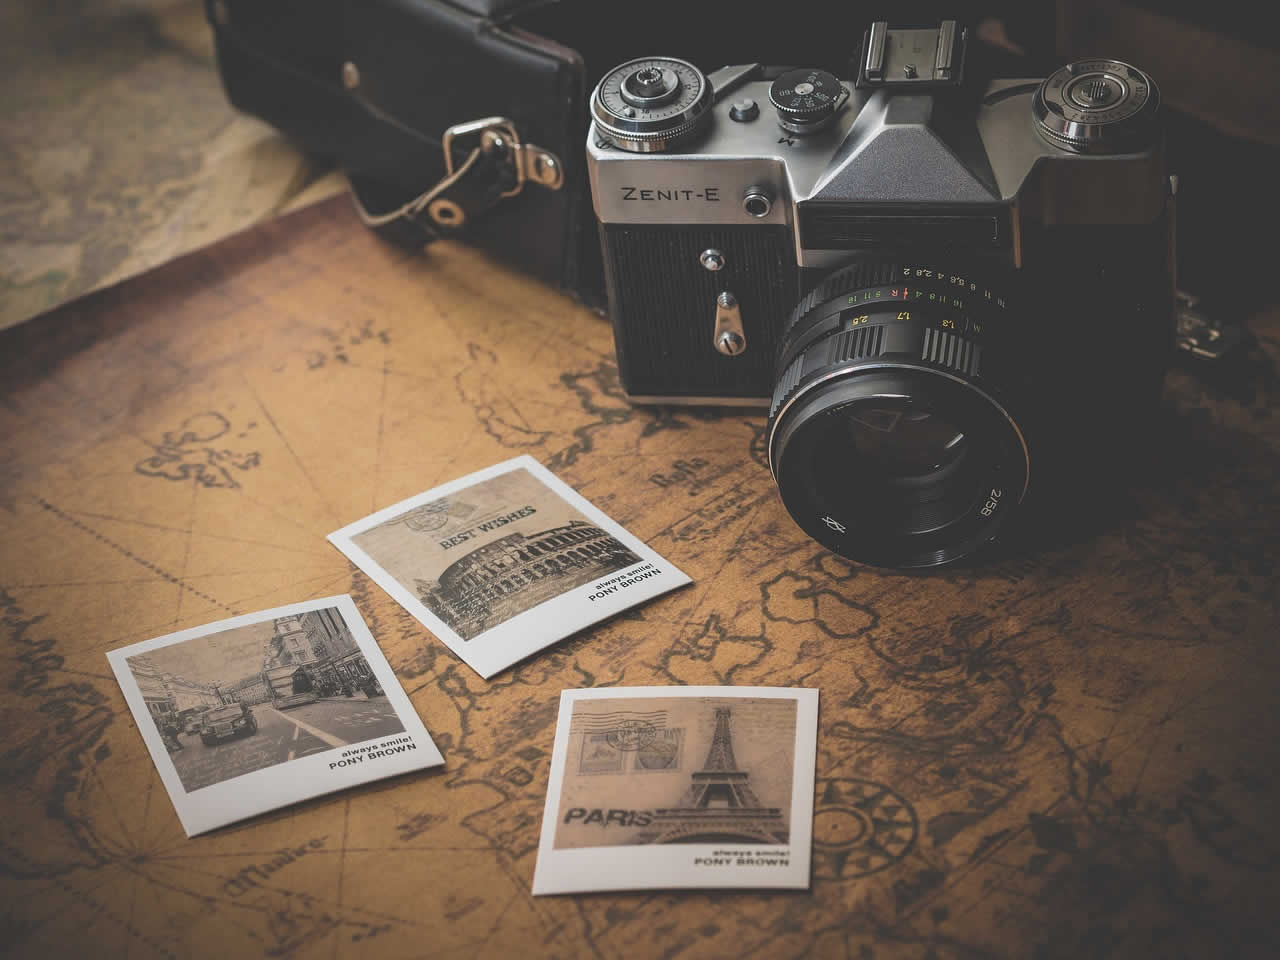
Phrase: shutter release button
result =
(744, 111)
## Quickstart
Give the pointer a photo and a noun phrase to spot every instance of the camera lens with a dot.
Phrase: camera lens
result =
(889, 434)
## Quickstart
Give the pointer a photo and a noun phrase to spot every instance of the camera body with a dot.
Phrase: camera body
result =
(768, 235)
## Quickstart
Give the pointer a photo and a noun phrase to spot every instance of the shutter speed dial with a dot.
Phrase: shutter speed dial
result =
(651, 104)
(806, 99)
(1097, 106)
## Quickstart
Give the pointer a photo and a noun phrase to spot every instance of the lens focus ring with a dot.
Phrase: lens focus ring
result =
(857, 344)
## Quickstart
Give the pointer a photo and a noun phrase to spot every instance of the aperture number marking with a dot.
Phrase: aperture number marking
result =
(993, 501)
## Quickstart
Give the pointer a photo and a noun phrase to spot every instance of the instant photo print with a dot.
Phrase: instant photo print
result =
(505, 562)
(654, 787)
(260, 711)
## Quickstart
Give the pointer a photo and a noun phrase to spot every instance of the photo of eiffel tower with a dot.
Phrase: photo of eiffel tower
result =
(720, 806)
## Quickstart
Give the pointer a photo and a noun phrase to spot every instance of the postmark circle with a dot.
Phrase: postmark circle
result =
(428, 517)
(860, 827)
(631, 735)
(658, 755)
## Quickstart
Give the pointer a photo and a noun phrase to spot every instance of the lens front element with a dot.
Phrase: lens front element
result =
(901, 442)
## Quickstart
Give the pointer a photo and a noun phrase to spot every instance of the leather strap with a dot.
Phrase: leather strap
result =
(473, 188)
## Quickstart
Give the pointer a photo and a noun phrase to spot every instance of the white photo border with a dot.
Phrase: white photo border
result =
(285, 783)
(671, 866)
(537, 628)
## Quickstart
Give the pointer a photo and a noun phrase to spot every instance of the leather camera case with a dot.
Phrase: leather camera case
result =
(375, 84)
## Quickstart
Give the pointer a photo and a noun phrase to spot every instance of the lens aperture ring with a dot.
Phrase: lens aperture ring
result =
(875, 287)
(842, 282)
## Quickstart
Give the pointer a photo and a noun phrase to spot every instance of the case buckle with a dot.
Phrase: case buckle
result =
(496, 167)
(530, 162)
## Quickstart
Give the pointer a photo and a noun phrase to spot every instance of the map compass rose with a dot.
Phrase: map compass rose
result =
(859, 827)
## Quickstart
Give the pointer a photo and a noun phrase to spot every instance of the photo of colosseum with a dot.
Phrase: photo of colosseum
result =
(495, 582)
(490, 551)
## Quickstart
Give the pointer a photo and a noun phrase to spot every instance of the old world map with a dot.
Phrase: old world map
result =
(1066, 752)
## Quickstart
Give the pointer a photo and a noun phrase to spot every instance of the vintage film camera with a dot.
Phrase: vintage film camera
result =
(954, 293)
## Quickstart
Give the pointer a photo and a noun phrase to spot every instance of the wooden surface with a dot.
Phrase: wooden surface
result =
(1078, 746)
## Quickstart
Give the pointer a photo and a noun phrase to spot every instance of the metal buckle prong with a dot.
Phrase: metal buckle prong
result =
(531, 163)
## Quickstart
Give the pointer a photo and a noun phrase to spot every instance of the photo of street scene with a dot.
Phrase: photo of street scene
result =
(229, 703)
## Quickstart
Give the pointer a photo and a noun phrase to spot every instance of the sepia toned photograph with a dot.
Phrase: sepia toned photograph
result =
(498, 548)
(717, 775)
(734, 785)
(236, 701)
(298, 686)
(469, 558)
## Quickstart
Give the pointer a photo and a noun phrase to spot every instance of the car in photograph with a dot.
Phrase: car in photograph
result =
(224, 723)
(295, 700)
(192, 723)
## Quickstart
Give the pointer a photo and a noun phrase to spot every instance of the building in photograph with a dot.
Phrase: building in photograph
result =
(315, 652)
(353, 673)
(336, 652)
(720, 806)
(508, 576)
(155, 691)
(289, 663)
(328, 633)
(190, 696)
(251, 689)
(289, 644)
